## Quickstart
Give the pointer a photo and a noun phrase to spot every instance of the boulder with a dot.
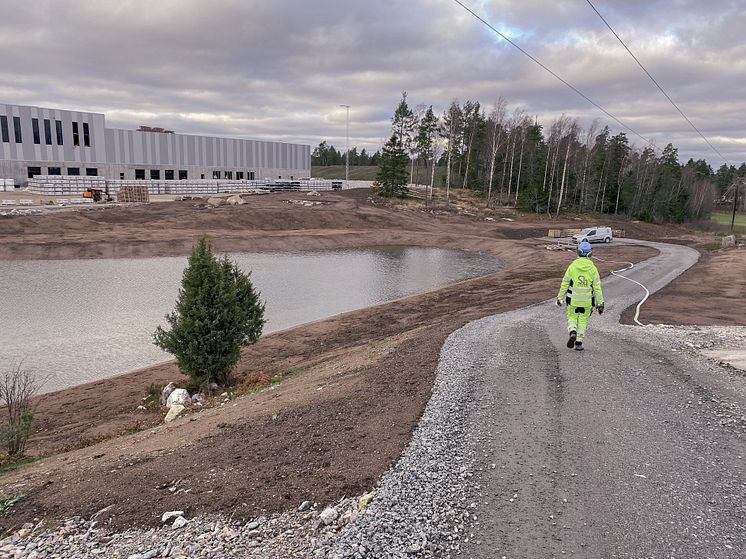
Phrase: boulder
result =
(729, 241)
(235, 200)
(166, 392)
(180, 522)
(173, 412)
(178, 396)
(214, 201)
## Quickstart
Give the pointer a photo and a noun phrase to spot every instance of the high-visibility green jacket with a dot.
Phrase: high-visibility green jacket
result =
(581, 285)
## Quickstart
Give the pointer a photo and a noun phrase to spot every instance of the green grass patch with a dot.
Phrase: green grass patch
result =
(6, 503)
(724, 218)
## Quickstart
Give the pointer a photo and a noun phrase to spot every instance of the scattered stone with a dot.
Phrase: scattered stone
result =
(235, 200)
(173, 412)
(304, 506)
(178, 396)
(199, 399)
(166, 392)
(729, 241)
(329, 515)
(180, 522)
(171, 515)
(215, 201)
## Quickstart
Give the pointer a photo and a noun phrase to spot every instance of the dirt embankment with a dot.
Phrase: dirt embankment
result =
(711, 293)
(328, 431)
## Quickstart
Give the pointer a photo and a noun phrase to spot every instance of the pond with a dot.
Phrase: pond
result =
(75, 321)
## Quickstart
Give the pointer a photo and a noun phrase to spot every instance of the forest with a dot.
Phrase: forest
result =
(514, 161)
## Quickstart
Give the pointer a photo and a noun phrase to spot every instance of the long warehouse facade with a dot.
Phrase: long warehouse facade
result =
(42, 141)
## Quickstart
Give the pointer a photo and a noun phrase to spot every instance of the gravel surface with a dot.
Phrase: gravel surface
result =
(633, 448)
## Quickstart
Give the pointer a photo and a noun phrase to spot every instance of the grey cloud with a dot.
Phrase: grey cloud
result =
(280, 69)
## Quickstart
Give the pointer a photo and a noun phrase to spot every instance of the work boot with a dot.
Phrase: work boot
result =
(573, 337)
(579, 346)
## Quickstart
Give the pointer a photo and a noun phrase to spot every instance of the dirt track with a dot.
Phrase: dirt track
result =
(327, 432)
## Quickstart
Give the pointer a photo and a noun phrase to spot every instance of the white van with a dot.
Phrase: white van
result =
(594, 235)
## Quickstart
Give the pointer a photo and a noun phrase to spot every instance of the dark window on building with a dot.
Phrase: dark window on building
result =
(58, 127)
(47, 132)
(155, 174)
(216, 174)
(33, 171)
(91, 171)
(17, 129)
(169, 174)
(76, 135)
(239, 175)
(229, 174)
(74, 171)
(86, 135)
(121, 176)
(4, 126)
(182, 175)
(140, 174)
(202, 176)
(35, 130)
(54, 171)
(250, 174)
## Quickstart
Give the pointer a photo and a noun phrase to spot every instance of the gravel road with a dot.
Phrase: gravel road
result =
(628, 449)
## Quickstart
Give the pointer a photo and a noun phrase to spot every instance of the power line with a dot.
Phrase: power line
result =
(575, 89)
(656, 83)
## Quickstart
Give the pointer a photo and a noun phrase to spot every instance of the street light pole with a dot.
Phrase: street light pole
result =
(347, 147)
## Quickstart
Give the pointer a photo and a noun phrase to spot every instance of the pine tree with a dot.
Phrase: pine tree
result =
(217, 312)
(392, 174)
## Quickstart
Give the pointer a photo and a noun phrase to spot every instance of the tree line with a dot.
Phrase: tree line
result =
(514, 161)
(325, 155)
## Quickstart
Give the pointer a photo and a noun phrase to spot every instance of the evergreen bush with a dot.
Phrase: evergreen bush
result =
(217, 312)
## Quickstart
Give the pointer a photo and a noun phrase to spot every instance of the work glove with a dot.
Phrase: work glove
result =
(600, 308)
(559, 302)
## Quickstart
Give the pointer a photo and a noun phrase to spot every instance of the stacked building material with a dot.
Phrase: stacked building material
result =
(133, 193)
(65, 185)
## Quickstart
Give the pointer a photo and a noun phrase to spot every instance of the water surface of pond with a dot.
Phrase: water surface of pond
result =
(75, 321)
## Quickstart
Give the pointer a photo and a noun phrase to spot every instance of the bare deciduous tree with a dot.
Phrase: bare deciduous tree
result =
(18, 386)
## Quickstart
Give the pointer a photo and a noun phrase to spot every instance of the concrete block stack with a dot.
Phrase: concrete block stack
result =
(63, 185)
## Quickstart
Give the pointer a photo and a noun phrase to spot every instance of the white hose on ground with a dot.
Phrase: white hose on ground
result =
(630, 265)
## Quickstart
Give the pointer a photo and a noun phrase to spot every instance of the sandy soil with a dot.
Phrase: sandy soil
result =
(711, 293)
(330, 430)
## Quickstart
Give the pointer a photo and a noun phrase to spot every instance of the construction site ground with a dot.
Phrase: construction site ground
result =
(359, 380)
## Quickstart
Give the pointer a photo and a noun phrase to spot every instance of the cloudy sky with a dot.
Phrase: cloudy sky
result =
(279, 69)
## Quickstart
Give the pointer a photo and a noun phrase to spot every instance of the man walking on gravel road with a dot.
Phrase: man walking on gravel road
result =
(581, 289)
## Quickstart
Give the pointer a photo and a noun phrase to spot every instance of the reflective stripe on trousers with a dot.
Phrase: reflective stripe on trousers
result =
(577, 321)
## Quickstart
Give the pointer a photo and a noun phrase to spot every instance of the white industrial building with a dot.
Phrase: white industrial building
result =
(38, 141)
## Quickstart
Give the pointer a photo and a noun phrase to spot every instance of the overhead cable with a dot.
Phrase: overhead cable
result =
(656, 83)
(575, 89)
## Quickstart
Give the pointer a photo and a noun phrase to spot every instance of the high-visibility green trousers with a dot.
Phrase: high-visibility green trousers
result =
(577, 319)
